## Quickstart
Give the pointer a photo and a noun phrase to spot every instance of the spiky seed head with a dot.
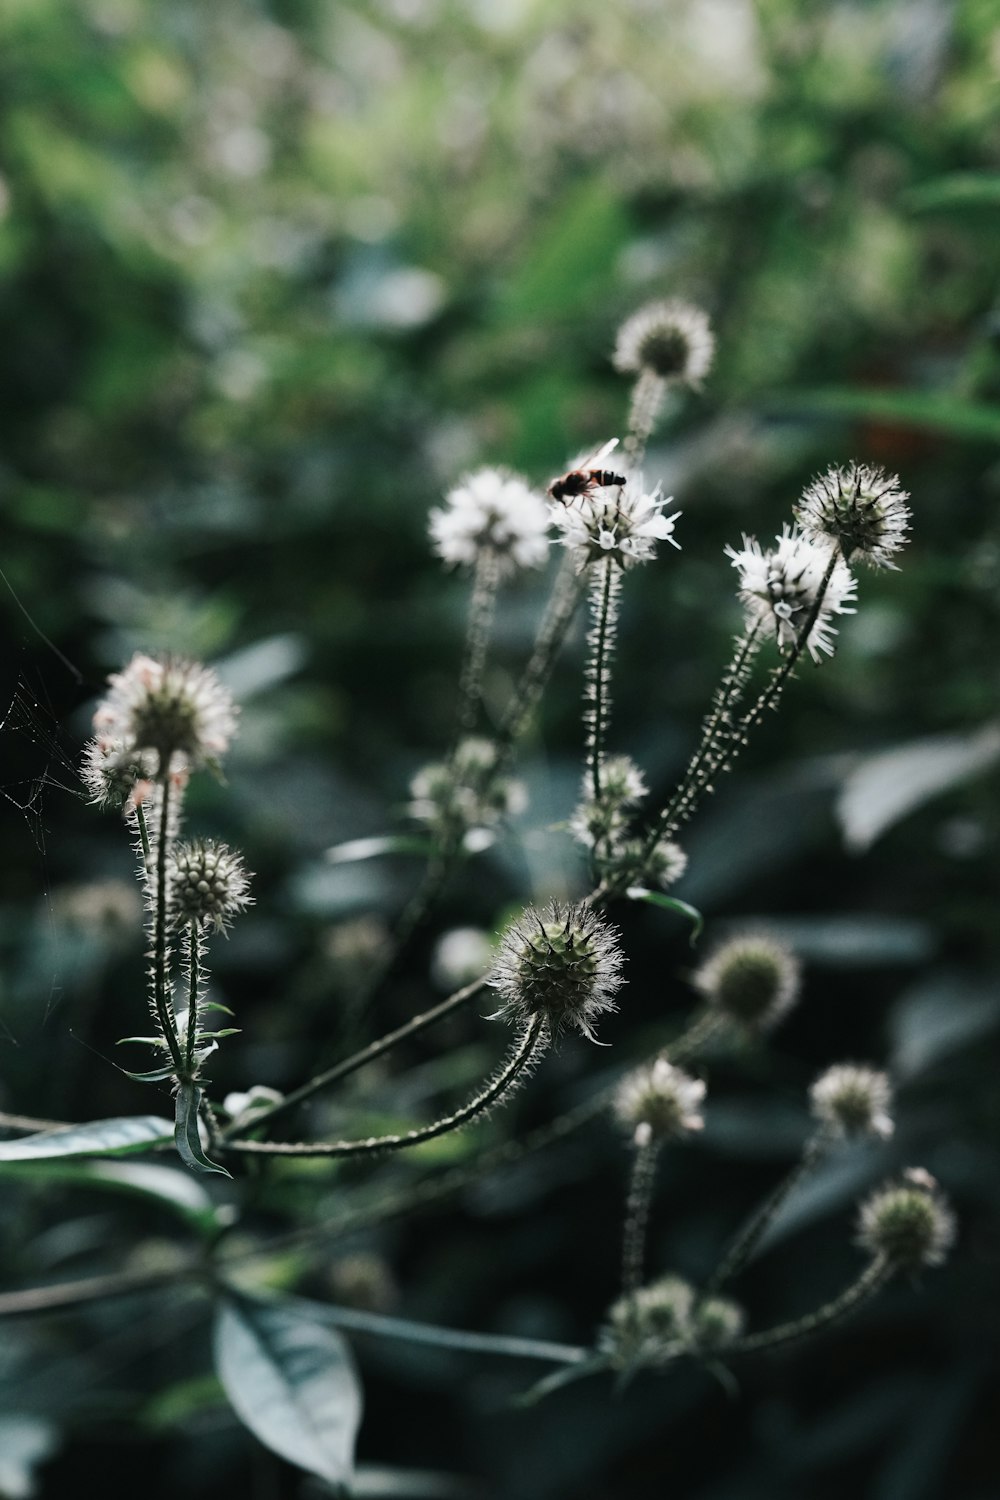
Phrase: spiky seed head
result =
(715, 1323)
(672, 340)
(179, 709)
(850, 1099)
(208, 884)
(651, 1325)
(752, 979)
(658, 1101)
(908, 1224)
(563, 963)
(861, 508)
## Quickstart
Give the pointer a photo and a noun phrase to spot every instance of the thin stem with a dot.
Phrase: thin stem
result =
(192, 946)
(481, 610)
(366, 1054)
(601, 640)
(453, 1338)
(140, 823)
(750, 1235)
(644, 408)
(640, 1196)
(871, 1280)
(41, 1299)
(161, 986)
(523, 1054)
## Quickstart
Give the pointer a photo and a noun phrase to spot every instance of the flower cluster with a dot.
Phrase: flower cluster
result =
(469, 791)
(492, 512)
(665, 1319)
(908, 1224)
(620, 522)
(862, 509)
(563, 963)
(671, 340)
(781, 588)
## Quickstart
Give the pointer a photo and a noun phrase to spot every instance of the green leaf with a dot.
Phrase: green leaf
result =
(670, 903)
(926, 410)
(291, 1380)
(155, 1075)
(146, 1041)
(962, 190)
(187, 1137)
(115, 1137)
(170, 1186)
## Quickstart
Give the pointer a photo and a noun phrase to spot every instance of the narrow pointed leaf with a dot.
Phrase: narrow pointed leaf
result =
(155, 1075)
(187, 1137)
(671, 903)
(147, 1041)
(291, 1380)
(115, 1137)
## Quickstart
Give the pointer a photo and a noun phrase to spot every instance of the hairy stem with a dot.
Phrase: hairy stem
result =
(640, 1196)
(770, 695)
(750, 1235)
(644, 408)
(192, 957)
(161, 956)
(524, 1052)
(871, 1280)
(481, 609)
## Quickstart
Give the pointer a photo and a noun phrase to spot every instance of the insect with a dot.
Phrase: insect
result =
(587, 476)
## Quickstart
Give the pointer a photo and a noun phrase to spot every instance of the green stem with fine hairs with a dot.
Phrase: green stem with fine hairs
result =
(640, 1197)
(521, 1056)
(481, 610)
(750, 1235)
(193, 957)
(644, 408)
(871, 1280)
(601, 640)
(161, 976)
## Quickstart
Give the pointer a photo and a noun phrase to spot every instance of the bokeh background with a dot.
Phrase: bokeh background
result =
(272, 276)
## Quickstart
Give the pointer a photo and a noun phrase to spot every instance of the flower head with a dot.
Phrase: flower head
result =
(670, 339)
(659, 1101)
(563, 963)
(113, 771)
(467, 791)
(715, 1323)
(622, 522)
(207, 884)
(179, 709)
(752, 980)
(851, 1100)
(492, 511)
(862, 509)
(780, 588)
(649, 1326)
(598, 820)
(909, 1223)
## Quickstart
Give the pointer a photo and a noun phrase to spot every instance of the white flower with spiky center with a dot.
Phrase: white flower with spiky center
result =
(658, 1101)
(861, 508)
(492, 512)
(621, 522)
(671, 339)
(177, 708)
(563, 963)
(207, 884)
(779, 589)
(850, 1099)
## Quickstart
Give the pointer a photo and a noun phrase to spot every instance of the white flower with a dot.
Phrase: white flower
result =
(862, 509)
(779, 589)
(671, 339)
(177, 708)
(851, 1100)
(659, 1101)
(491, 511)
(621, 522)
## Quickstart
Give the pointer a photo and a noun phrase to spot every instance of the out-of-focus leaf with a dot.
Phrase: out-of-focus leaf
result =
(262, 666)
(852, 940)
(922, 409)
(187, 1136)
(391, 843)
(291, 1380)
(958, 190)
(940, 1016)
(174, 1189)
(25, 1442)
(379, 1483)
(115, 1137)
(885, 787)
(575, 251)
(670, 903)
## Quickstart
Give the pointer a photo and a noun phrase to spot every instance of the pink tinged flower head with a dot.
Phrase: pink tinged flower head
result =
(178, 709)
(779, 589)
(495, 512)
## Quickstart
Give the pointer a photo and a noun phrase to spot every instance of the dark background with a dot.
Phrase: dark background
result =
(271, 278)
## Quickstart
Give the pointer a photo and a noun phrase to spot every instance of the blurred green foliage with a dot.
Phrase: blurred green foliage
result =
(271, 277)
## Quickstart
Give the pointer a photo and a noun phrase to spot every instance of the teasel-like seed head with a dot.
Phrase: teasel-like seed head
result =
(908, 1224)
(671, 339)
(563, 963)
(207, 884)
(179, 709)
(861, 508)
(850, 1099)
(752, 980)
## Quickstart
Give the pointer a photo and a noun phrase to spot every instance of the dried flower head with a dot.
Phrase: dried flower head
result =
(672, 340)
(908, 1224)
(563, 963)
(658, 1101)
(112, 771)
(468, 791)
(715, 1323)
(780, 588)
(622, 522)
(862, 509)
(752, 979)
(176, 708)
(207, 884)
(851, 1100)
(650, 1326)
(492, 511)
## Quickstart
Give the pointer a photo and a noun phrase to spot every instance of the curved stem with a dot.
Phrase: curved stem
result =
(365, 1055)
(522, 1055)
(750, 1235)
(871, 1280)
(640, 1195)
